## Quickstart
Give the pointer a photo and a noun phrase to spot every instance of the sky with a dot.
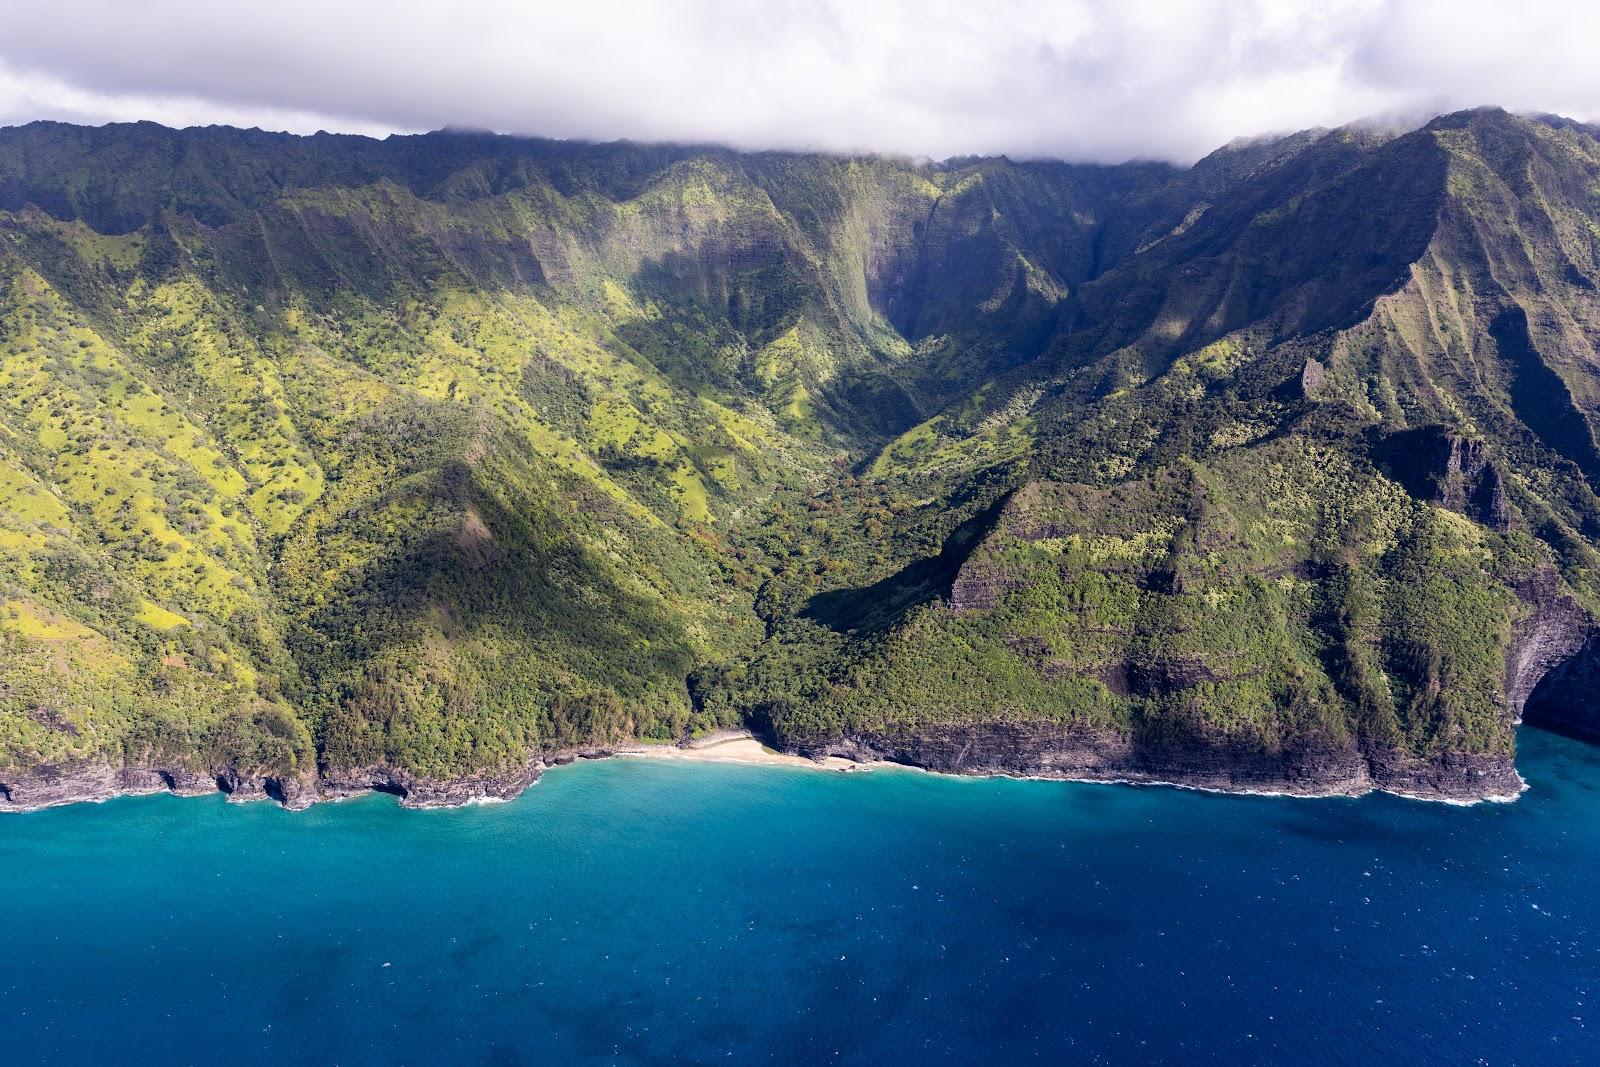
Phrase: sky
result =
(1101, 80)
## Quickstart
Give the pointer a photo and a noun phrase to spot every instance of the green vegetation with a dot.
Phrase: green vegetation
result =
(1272, 593)
(433, 452)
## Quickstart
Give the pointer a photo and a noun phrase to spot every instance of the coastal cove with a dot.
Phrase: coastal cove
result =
(638, 910)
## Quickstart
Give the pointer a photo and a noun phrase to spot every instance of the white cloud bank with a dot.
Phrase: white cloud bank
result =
(1076, 79)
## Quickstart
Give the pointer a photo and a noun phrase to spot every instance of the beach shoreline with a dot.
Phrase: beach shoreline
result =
(737, 746)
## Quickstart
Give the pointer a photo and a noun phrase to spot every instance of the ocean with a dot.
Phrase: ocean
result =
(640, 911)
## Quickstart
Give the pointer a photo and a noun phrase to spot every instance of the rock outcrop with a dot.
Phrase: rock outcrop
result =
(1439, 464)
(1312, 378)
(45, 787)
(423, 792)
(1473, 485)
(295, 792)
(1555, 630)
(48, 787)
(1567, 698)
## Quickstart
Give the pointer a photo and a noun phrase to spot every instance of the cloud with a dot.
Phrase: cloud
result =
(1076, 79)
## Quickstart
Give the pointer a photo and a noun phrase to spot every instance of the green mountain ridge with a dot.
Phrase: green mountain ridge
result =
(332, 459)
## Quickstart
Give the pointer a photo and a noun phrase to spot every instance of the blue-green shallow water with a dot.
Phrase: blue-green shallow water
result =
(641, 911)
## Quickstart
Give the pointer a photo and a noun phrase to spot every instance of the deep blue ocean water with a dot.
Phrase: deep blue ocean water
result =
(637, 911)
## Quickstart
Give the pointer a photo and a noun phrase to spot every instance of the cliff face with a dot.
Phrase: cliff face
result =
(1310, 767)
(1549, 643)
(50, 786)
(1567, 698)
(47, 787)
(1457, 472)
(422, 792)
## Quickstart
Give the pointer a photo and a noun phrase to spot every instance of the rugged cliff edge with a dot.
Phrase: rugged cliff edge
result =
(1309, 769)
(48, 787)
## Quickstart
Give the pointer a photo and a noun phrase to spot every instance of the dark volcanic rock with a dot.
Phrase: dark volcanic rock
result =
(1567, 699)
(423, 792)
(1473, 486)
(978, 588)
(1439, 464)
(1017, 749)
(1460, 776)
(45, 787)
(1555, 630)
(1315, 767)
(295, 792)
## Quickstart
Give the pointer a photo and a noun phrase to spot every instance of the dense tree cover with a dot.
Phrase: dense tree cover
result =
(437, 451)
(1266, 595)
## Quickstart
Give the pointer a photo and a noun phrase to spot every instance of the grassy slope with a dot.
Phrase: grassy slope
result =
(425, 453)
(431, 451)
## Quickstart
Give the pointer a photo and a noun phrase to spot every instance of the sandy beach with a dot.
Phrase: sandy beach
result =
(737, 748)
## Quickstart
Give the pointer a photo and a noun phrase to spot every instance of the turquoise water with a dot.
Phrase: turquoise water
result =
(639, 912)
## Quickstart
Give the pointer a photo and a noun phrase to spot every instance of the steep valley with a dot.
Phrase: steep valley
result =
(333, 464)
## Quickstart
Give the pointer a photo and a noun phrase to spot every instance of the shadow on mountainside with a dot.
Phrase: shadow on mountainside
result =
(875, 607)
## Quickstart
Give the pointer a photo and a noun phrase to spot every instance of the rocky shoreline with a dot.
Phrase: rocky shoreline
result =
(1029, 750)
(1018, 750)
(49, 787)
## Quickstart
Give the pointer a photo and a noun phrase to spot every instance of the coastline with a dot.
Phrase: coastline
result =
(98, 782)
(744, 747)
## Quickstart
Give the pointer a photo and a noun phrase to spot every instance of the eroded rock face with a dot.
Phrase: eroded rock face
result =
(978, 588)
(1472, 484)
(53, 786)
(1439, 464)
(295, 792)
(1567, 699)
(990, 748)
(1319, 767)
(1311, 767)
(423, 792)
(1312, 378)
(1552, 675)
(45, 787)
(1555, 630)
(48, 787)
